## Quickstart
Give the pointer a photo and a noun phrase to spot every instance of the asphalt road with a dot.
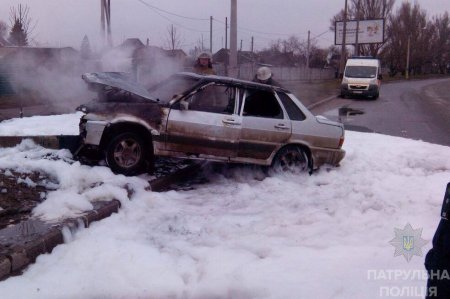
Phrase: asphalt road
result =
(413, 109)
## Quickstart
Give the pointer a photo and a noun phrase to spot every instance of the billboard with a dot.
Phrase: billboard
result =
(370, 32)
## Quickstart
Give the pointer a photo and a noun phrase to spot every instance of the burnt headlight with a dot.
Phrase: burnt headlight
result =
(82, 108)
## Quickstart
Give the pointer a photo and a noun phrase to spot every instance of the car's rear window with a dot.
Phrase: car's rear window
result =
(292, 109)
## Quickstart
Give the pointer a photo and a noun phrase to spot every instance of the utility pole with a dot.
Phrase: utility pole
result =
(105, 21)
(227, 54)
(307, 55)
(307, 50)
(407, 57)
(252, 55)
(203, 46)
(357, 29)
(102, 19)
(210, 33)
(342, 63)
(233, 39)
(226, 33)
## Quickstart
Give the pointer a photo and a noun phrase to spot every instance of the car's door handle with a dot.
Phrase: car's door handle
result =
(230, 121)
(282, 126)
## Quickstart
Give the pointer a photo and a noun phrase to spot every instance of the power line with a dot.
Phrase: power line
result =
(254, 31)
(160, 12)
(171, 13)
(155, 10)
(319, 35)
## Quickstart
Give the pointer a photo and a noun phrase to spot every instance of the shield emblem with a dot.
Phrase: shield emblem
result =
(408, 243)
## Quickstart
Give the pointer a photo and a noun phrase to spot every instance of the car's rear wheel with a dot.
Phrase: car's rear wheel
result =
(126, 154)
(291, 158)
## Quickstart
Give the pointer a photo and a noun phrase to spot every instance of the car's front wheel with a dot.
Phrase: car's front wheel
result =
(126, 154)
(291, 158)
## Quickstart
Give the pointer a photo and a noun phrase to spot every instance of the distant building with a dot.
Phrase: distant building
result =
(276, 58)
(131, 44)
(177, 54)
(145, 62)
(223, 56)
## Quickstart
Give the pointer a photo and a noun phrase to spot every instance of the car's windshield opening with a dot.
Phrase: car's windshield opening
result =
(164, 91)
(360, 71)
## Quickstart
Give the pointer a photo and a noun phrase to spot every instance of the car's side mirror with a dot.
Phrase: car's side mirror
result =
(380, 77)
(184, 105)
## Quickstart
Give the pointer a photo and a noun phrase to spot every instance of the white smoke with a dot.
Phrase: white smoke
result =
(48, 78)
(51, 78)
(147, 64)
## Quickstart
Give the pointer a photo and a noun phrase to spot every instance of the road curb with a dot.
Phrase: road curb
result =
(21, 244)
(20, 251)
(5, 266)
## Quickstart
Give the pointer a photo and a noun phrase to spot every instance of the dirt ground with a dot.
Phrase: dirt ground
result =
(19, 194)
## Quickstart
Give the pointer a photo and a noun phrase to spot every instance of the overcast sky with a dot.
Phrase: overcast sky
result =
(64, 22)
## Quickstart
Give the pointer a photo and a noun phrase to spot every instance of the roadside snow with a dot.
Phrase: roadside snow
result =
(65, 124)
(287, 236)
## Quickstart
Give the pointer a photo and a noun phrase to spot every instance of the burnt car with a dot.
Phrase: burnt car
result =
(203, 117)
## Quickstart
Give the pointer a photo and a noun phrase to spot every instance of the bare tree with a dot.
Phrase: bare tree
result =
(408, 26)
(317, 57)
(201, 43)
(85, 49)
(440, 42)
(275, 46)
(173, 38)
(294, 52)
(301, 53)
(294, 45)
(20, 25)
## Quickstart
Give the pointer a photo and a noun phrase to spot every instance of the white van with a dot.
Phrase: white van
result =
(362, 76)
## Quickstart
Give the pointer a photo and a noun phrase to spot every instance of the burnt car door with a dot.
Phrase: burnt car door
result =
(264, 125)
(205, 123)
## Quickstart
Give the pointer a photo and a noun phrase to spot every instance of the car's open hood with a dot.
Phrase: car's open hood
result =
(117, 80)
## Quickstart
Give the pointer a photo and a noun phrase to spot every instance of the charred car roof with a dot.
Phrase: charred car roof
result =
(124, 82)
(204, 79)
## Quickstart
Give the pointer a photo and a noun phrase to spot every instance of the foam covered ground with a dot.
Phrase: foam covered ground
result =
(287, 236)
